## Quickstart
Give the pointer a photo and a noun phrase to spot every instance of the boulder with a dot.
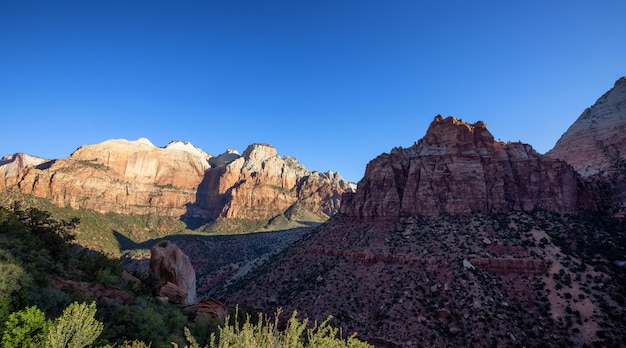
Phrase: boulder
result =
(177, 278)
(211, 308)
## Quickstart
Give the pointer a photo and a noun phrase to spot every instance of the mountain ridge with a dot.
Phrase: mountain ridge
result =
(137, 177)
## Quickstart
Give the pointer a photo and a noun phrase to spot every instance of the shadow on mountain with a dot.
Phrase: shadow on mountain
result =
(217, 259)
(228, 241)
(197, 214)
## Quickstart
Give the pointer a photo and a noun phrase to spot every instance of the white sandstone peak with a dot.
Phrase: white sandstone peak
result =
(188, 147)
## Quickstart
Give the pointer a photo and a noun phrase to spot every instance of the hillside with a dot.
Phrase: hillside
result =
(460, 240)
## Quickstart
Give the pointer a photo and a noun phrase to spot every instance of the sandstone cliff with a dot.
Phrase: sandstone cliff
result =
(259, 183)
(459, 168)
(136, 177)
(121, 176)
(595, 146)
(12, 165)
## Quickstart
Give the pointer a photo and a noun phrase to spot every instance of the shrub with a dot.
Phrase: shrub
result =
(265, 334)
(26, 328)
(76, 327)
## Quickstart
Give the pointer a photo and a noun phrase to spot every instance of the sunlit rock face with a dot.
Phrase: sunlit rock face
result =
(458, 168)
(260, 184)
(12, 165)
(121, 176)
(136, 177)
(595, 145)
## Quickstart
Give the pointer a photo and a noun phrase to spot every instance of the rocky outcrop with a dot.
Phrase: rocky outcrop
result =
(96, 291)
(515, 266)
(595, 146)
(261, 184)
(12, 165)
(136, 177)
(177, 278)
(459, 168)
(121, 176)
(211, 308)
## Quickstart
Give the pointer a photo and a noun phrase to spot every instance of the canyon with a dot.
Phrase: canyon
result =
(457, 240)
(461, 240)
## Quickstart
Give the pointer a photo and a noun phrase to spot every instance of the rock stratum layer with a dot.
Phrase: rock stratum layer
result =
(136, 177)
(260, 183)
(458, 168)
(595, 145)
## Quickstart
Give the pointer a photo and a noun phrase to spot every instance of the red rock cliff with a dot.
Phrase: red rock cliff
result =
(261, 184)
(459, 168)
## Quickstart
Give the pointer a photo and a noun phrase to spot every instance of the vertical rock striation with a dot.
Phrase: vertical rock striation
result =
(458, 168)
(260, 184)
(595, 145)
(136, 177)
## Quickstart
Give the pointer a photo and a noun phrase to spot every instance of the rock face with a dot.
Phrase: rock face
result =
(12, 165)
(136, 177)
(459, 168)
(211, 308)
(595, 145)
(121, 176)
(262, 184)
(177, 278)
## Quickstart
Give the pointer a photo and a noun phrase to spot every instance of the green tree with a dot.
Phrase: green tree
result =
(76, 328)
(26, 328)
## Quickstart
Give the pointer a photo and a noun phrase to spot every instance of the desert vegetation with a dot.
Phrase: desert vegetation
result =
(509, 278)
(55, 293)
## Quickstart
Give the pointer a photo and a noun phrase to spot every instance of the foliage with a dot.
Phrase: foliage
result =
(26, 328)
(76, 328)
(55, 235)
(265, 333)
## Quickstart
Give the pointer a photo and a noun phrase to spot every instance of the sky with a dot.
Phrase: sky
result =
(331, 83)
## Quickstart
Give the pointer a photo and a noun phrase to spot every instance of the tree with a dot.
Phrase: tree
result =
(26, 328)
(76, 328)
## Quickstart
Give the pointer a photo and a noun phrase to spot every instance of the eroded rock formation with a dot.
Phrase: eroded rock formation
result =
(136, 177)
(211, 308)
(121, 176)
(595, 145)
(12, 165)
(177, 278)
(261, 184)
(459, 168)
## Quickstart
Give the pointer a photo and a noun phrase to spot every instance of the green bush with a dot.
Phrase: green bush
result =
(265, 334)
(76, 328)
(26, 328)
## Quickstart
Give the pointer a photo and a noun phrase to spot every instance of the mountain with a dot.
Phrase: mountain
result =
(595, 146)
(458, 240)
(180, 180)
(458, 168)
(262, 184)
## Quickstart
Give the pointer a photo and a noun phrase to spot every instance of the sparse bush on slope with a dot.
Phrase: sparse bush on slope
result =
(266, 334)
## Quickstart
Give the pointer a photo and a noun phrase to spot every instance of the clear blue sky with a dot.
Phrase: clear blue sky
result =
(332, 83)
